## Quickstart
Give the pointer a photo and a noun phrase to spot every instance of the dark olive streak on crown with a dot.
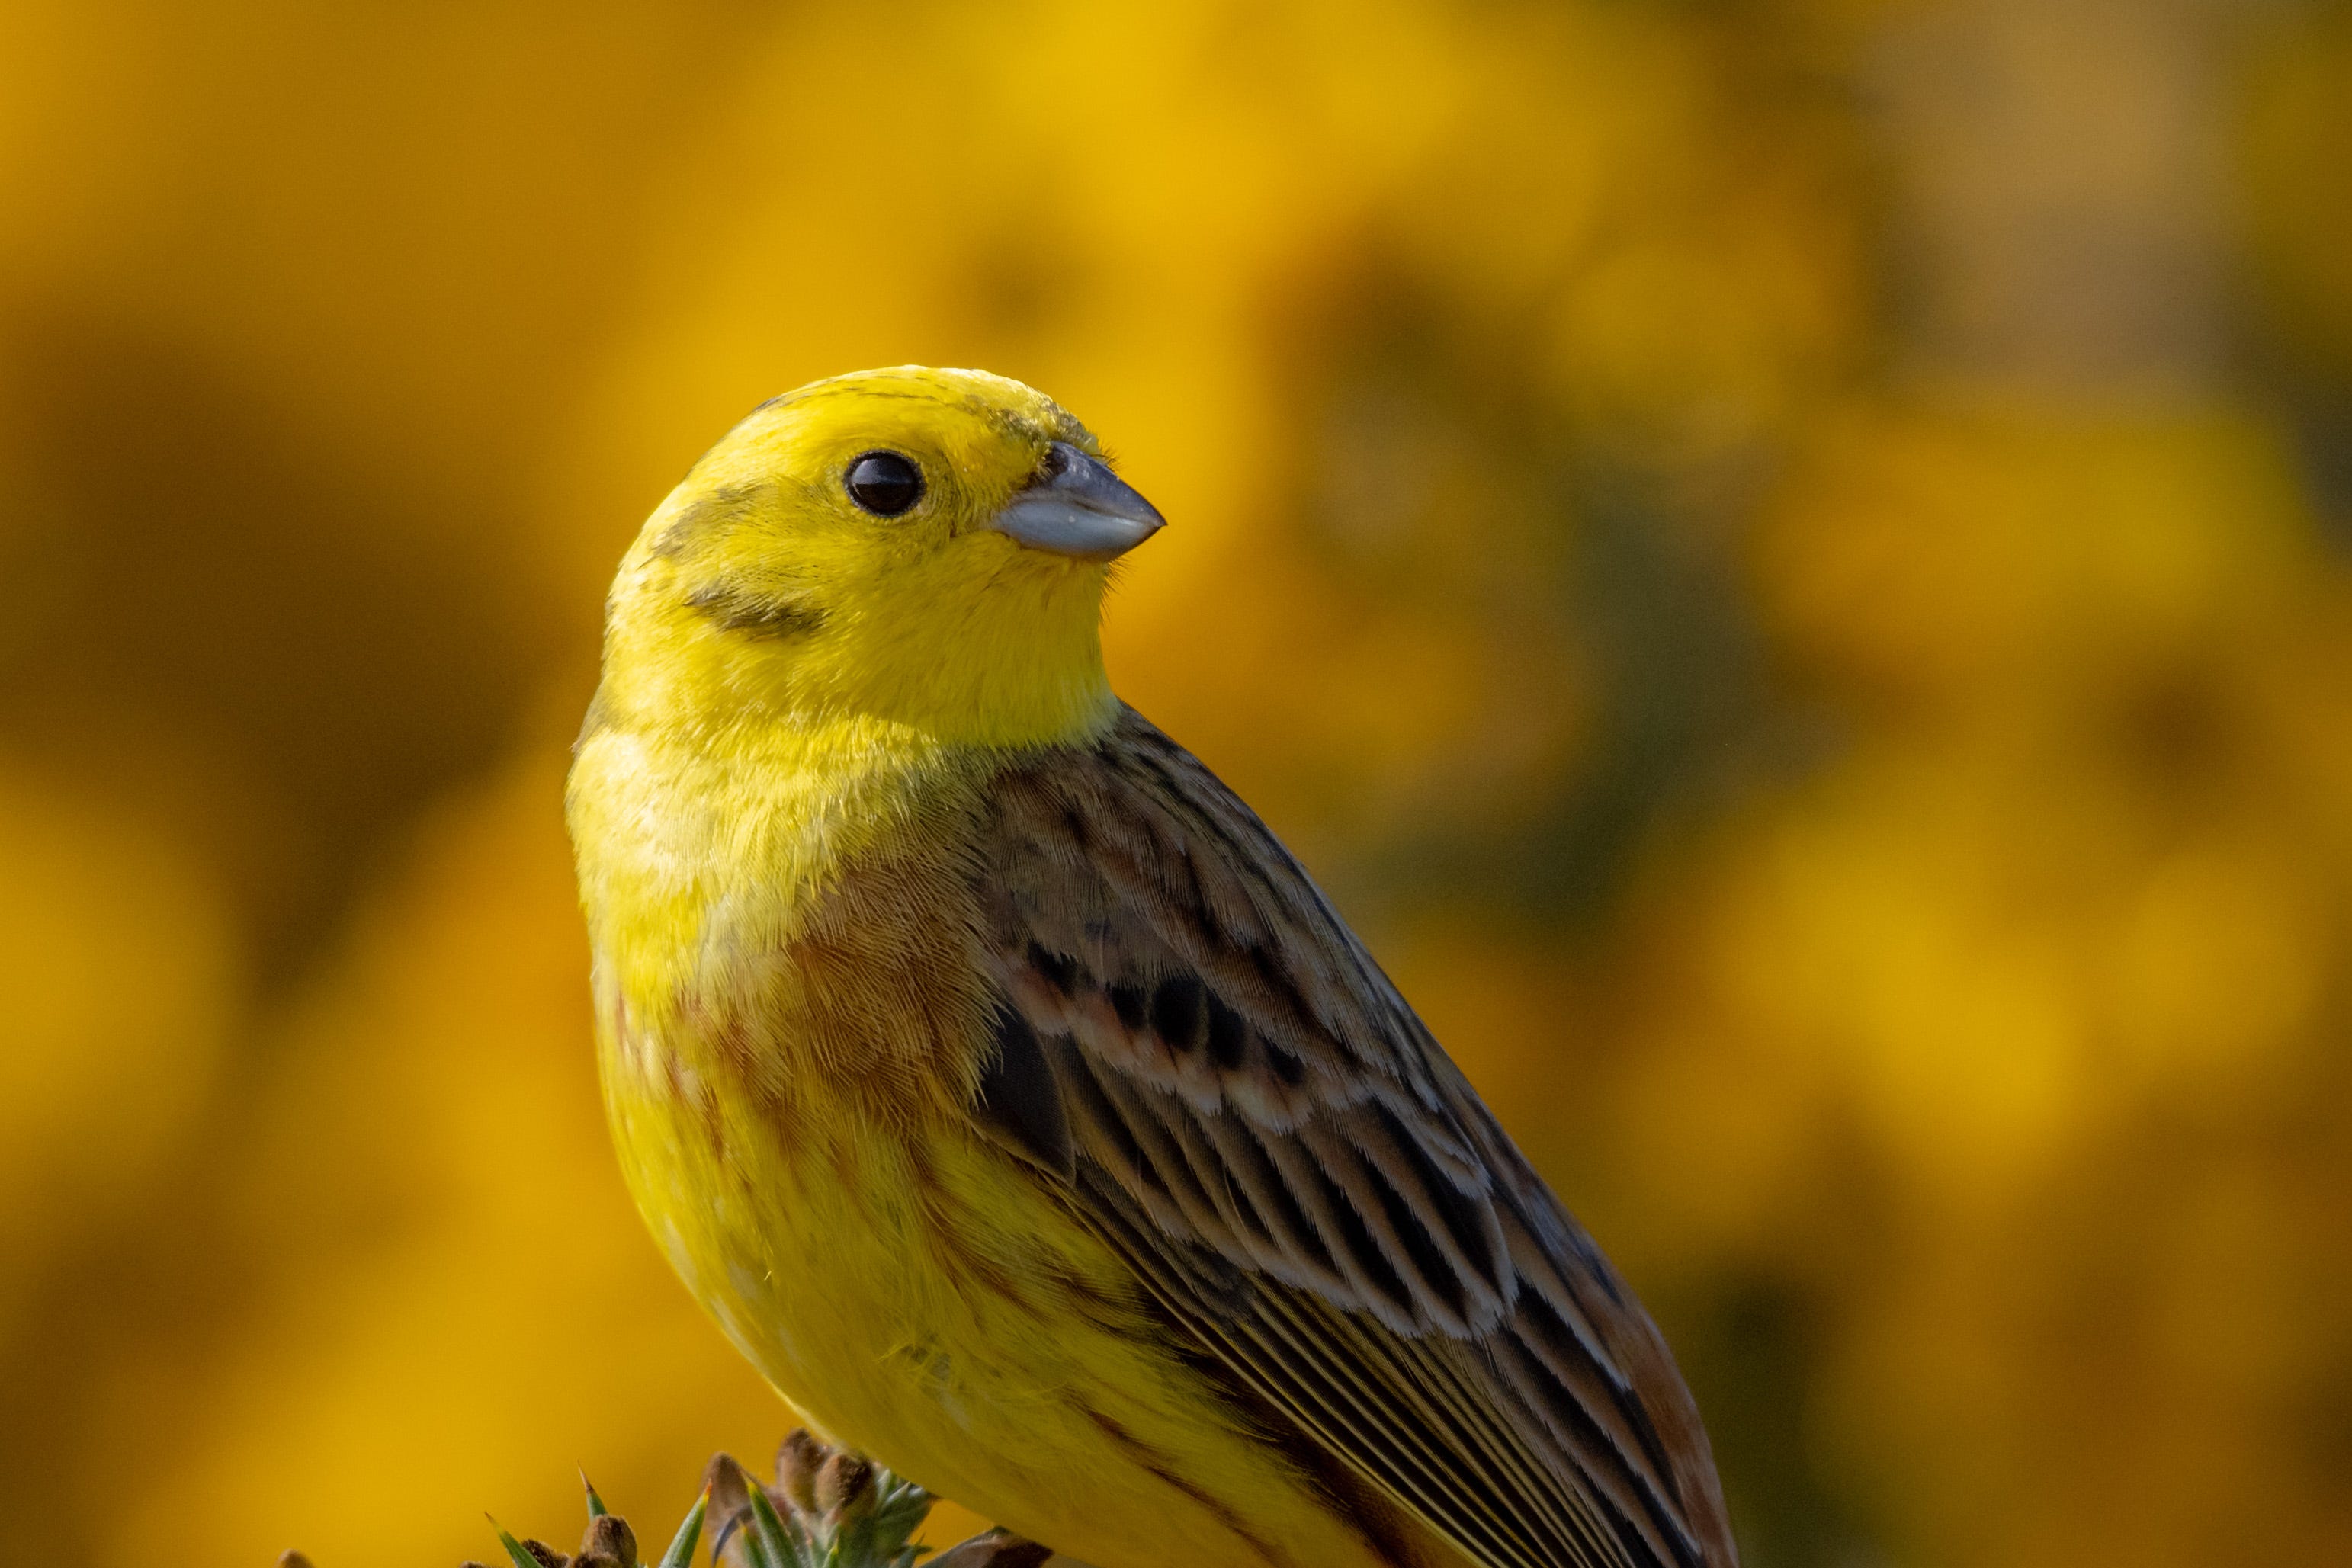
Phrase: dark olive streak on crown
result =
(886, 483)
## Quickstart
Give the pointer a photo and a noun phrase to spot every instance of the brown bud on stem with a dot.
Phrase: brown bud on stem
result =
(844, 1488)
(608, 1536)
(995, 1548)
(731, 1489)
(797, 1464)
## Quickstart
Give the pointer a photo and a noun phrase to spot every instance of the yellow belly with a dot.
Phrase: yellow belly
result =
(912, 1295)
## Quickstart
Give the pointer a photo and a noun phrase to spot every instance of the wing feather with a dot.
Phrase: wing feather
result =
(1247, 1110)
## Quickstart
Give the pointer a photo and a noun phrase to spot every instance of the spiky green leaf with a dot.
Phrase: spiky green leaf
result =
(681, 1546)
(521, 1558)
(782, 1543)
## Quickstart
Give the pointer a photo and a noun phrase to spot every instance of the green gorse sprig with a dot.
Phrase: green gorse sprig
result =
(826, 1509)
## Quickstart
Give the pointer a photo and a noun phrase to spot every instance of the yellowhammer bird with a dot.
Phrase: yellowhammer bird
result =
(1012, 1097)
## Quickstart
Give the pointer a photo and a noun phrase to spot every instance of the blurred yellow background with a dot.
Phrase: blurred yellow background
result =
(1787, 562)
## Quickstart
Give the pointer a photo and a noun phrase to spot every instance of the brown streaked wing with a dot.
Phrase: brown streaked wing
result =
(1201, 1058)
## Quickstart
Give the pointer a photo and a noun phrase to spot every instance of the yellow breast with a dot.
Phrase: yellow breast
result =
(792, 1018)
(787, 1008)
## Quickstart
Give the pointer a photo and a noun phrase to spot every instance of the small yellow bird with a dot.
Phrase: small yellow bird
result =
(1007, 1091)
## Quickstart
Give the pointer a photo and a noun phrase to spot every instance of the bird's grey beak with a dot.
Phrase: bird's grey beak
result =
(1078, 506)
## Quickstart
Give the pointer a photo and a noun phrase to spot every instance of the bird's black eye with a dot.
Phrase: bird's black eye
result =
(885, 482)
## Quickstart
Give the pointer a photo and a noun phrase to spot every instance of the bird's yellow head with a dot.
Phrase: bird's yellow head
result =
(917, 547)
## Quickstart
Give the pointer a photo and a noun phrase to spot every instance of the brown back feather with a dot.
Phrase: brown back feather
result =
(1200, 1056)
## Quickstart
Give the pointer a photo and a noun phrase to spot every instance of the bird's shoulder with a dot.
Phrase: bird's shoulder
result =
(1129, 860)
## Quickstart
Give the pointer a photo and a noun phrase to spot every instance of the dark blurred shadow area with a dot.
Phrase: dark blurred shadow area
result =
(240, 629)
(1785, 561)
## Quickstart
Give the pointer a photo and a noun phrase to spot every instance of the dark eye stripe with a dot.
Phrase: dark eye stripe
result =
(885, 482)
